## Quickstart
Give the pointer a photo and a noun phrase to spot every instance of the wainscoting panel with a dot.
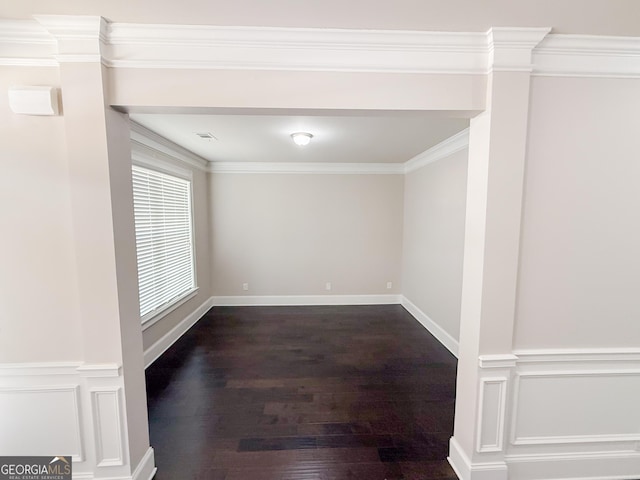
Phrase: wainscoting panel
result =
(566, 407)
(547, 415)
(26, 409)
(493, 396)
(108, 427)
(69, 409)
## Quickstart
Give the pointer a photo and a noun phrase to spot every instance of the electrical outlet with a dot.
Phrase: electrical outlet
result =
(245, 286)
(389, 285)
(327, 286)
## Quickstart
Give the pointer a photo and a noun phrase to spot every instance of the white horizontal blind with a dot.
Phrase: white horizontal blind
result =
(162, 207)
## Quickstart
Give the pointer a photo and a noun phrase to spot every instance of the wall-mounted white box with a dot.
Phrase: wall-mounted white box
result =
(32, 100)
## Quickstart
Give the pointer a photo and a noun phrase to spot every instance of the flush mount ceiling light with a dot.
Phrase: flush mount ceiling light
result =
(301, 138)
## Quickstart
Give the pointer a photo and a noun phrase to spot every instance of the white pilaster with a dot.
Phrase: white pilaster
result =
(497, 141)
(99, 159)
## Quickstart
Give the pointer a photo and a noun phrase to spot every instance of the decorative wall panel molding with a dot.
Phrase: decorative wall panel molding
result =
(83, 408)
(540, 412)
(107, 420)
(26, 408)
(492, 408)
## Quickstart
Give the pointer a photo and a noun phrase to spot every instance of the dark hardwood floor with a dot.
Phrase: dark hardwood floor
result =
(303, 393)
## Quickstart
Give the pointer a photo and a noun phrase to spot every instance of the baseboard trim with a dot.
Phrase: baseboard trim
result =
(436, 330)
(458, 460)
(622, 465)
(152, 353)
(301, 300)
(146, 469)
(465, 470)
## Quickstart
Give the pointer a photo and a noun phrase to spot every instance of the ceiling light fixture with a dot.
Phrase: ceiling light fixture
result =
(301, 138)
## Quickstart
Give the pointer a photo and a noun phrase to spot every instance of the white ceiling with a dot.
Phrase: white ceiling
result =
(343, 138)
(596, 17)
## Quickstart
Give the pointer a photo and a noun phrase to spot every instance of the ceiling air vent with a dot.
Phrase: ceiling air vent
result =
(205, 136)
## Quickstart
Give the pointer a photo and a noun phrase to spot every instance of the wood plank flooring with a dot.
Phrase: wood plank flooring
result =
(304, 393)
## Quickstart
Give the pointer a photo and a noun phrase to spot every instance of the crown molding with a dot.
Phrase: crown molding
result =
(308, 168)
(51, 39)
(25, 32)
(510, 49)
(79, 38)
(269, 48)
(447, 147)
(154, 145)
(588, 56)
(26, 43)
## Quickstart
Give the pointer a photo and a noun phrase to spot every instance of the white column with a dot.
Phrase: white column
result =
(494, 202)
(98, 146)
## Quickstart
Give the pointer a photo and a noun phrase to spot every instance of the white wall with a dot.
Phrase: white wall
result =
(580, 249)
(289, 234)
(38, 281)
(71, 373)
(561, 402)
(433, 240)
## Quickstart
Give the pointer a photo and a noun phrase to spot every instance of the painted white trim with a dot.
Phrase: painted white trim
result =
(27, 62)
(153, 145)
(588, 56)
(497, 361)
(566, 439)
(604, 355)
(152, 353)
(79, 38)
(99, 421)
(39, 369)
(458, 460)
(436, 330)
(564, 466)
(155, 316)
(74, 390)
(501, 415)
(25, 32)
(465, 470)
(146, 157)
(308, 168)
(46, 369)
(510, 48)
(96, 370)
(310, 49)
(27, 42)
(146, 469)
(444, 149)
(301, 300)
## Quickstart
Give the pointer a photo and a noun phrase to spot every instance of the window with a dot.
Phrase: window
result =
(164, 239)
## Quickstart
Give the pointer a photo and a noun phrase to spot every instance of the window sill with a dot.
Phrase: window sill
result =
(153, 317)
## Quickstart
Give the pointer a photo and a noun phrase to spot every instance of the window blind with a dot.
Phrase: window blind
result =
(163, 224)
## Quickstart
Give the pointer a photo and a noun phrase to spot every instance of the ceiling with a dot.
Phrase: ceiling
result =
(596, 17)
(344, 138)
